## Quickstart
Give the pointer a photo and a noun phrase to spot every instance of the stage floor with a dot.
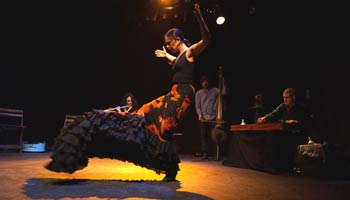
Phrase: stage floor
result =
(23, 176)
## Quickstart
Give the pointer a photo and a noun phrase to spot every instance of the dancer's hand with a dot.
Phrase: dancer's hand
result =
(160, 53)
(197, 10)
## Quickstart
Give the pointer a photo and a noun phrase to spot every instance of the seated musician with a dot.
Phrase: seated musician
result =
(128, 105)
(294, 116)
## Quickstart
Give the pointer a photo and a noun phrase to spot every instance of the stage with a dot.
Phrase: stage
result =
(24, 177)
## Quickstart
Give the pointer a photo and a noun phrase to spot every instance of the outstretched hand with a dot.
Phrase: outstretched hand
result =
(197, 10)
(160, 53)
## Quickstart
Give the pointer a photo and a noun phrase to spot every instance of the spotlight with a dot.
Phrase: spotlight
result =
(169, 4)
(220, 20)
(216, 12)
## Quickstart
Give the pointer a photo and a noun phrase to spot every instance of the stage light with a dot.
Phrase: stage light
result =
(216, 13)
(164, 10)
(180, 11)
(169, 4)
(220, 20)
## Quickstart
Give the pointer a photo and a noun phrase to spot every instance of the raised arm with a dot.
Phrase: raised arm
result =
(200, 46)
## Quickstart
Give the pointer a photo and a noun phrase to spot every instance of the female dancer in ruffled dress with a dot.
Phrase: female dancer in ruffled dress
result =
(144, 138)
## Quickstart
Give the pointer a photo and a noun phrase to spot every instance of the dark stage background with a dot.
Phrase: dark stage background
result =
(69, 57)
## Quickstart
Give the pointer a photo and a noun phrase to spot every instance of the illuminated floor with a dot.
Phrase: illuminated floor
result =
(24, 177)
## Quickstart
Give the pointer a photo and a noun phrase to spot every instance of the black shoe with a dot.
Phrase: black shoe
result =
(170, 176)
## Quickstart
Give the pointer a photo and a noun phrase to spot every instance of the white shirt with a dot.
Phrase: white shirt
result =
(205, 100)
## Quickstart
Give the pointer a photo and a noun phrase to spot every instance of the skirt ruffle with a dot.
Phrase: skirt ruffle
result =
(109, 135)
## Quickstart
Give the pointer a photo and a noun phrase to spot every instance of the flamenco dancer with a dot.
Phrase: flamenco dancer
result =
(144, 138)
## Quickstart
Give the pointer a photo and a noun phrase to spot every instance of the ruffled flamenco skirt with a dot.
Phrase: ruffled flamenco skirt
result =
(144, 139)
(109, 135)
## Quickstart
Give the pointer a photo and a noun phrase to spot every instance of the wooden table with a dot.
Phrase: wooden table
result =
(258, 127)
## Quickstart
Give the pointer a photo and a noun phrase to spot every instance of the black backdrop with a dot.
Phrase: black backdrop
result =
(69, 57)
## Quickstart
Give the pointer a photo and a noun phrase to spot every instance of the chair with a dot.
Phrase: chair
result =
(11, 128)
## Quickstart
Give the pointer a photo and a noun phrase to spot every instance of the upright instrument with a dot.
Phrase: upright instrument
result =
(218, 134)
